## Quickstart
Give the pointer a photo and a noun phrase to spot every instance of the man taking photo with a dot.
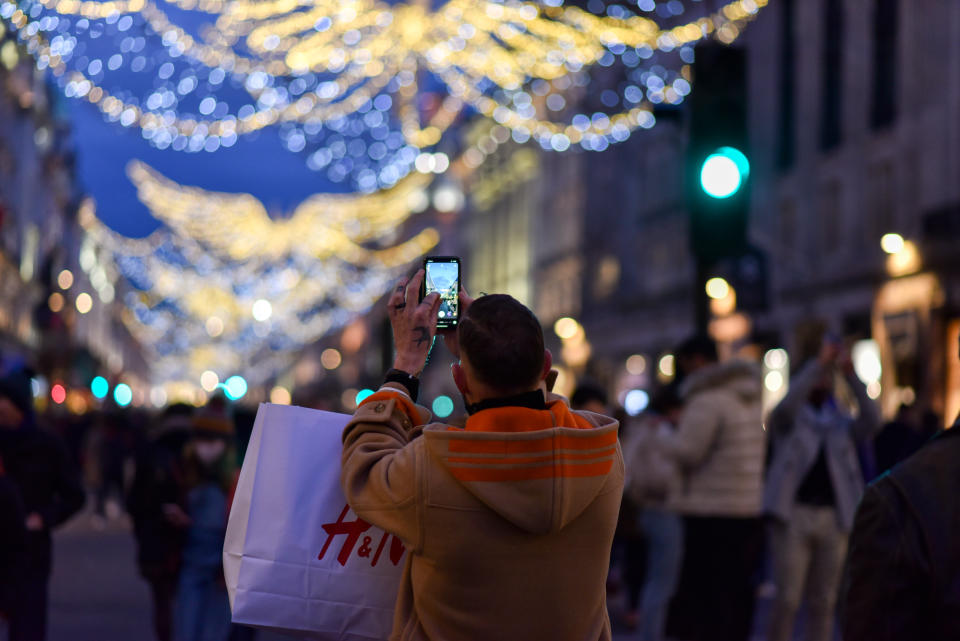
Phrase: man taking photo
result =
(510, 519)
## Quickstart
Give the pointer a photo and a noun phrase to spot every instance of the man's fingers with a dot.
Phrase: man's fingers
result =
(465, 300)
(430, 305)
(413, 288)
(435, 308)
(397, 298)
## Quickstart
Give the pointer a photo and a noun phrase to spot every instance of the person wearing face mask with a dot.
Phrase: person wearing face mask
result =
(813, 487)
(202, 608)
(39, 469)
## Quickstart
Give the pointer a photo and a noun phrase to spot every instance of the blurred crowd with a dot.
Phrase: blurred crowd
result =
(171, 476)
(722, 506)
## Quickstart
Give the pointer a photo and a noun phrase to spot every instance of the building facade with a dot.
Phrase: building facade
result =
(854, 134)
(57, 309)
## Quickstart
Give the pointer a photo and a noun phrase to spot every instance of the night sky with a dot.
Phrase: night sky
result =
(256, 164)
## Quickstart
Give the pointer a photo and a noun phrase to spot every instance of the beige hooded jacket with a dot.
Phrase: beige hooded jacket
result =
(509, 521)
(720, 443)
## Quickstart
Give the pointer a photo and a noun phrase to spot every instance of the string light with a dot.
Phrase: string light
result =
(199, 298)
(312, 63)
(363, 89)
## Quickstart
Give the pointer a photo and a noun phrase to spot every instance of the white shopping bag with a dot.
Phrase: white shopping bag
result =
(297, 560)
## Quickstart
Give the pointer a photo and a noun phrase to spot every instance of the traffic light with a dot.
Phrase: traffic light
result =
(724, 172)
(718, 168)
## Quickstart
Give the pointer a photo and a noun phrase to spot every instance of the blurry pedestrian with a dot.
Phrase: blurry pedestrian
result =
(720, 446)
(114, 451)
(156, 505)
(590, 397)
(627, 554)
(38, 465)
(653, 477)
(901, 437)
(13, 547)
(901, 576)
(813, 486)
(202, 608)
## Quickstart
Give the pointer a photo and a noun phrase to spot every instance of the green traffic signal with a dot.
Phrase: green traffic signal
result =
(724, 172)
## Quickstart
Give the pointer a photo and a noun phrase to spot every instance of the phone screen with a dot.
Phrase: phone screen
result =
(443, 276)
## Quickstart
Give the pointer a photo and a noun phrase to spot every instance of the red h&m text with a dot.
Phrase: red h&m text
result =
(354, 531)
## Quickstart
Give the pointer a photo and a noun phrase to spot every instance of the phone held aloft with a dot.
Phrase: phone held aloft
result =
(442, 275)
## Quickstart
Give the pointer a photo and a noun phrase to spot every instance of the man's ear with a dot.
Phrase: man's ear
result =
(460, 379)
(547, 364)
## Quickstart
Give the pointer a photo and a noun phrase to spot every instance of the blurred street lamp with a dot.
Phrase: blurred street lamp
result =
(566, 328)
(84, 303)
(892, 243)
(717, 288)
(636, 364)
(330, 358)
(55, 302)
(209, 380)
(904, 261)
(723, 298)
(280, 396)
(666, 367)
(65, 279)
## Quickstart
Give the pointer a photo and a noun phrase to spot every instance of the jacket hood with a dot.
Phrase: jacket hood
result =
(738, 376)
(536, 476)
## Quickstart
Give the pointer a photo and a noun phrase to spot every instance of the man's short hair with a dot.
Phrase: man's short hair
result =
(503, 341)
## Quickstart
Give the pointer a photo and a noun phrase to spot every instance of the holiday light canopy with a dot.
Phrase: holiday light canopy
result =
(227, 302)
(370, 94)
(359, 85)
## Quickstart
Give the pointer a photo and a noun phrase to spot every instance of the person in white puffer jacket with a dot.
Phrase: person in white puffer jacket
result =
(720, 445)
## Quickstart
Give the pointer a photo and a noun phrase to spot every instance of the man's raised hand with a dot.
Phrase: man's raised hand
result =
(414, 323)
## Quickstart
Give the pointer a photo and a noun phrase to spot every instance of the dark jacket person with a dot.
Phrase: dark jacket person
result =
(510, 519)
(38, 465)
(904, 560)
(13, 543)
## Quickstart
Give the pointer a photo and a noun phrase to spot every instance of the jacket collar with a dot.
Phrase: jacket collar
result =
(532, 400)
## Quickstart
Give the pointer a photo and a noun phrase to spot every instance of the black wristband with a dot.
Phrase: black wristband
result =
(411, 382)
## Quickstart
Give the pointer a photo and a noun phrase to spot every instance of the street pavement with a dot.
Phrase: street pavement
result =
(97, 595)
(95, 591)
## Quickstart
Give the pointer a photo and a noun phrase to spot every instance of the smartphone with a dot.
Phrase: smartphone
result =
(442, 275)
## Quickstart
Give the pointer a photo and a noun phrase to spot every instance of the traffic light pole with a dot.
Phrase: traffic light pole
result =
(717, 175)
